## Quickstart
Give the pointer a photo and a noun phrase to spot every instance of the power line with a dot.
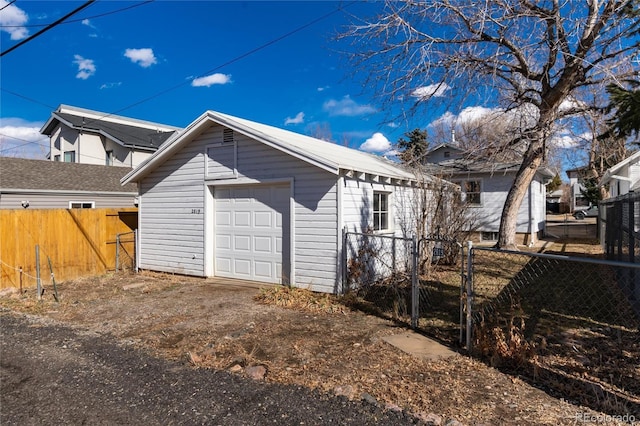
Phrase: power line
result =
(50, 26)
(7, 5)
(26, 98)
(231, 61)
(72, 21)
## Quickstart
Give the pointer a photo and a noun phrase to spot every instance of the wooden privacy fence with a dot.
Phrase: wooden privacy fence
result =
(79, 242)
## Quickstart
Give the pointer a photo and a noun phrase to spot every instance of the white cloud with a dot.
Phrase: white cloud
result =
(323, 88)
(110, 85)
(346, 107)
(86, 67)
(568, 140)
(376, 143)
(212, 79)
(298, 119)
(432, 90)
(143, 57)
(469, 114)
(12, 20)
(21, 138)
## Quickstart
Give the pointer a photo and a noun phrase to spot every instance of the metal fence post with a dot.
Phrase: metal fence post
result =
(117, 252)
(469, 295)
(38, 282)
(415, 291)
(135, 249)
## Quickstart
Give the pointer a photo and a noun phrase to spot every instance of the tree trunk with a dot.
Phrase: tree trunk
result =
(509, 219)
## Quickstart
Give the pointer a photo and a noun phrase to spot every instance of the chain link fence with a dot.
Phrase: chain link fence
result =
(440, 310)
(419, 283)
(379, 272)
(126, 251)
(570, 324)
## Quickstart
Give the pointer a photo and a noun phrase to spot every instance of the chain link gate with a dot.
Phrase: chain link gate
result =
(439, 307)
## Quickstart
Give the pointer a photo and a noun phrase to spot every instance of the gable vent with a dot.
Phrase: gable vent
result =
(227, 135)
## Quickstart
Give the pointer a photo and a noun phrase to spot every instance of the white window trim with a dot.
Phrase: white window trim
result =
(390, 218)
(71, 203)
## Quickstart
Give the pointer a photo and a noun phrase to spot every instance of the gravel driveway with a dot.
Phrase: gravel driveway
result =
(52, 374)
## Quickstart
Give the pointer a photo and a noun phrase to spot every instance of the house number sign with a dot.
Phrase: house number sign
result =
(196, 211)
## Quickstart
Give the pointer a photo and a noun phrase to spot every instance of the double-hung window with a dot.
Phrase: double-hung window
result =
(380, 211)
(472, 192)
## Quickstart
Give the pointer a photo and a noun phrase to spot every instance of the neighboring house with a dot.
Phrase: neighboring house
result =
(42, 184)
(624, 177)
(576, 177)
(485, 185)
(78, 135)
(234, 198)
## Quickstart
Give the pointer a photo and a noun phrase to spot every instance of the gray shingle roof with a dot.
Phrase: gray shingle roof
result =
(21, 173)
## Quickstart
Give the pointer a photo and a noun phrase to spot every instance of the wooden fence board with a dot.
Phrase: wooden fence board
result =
(80, 242)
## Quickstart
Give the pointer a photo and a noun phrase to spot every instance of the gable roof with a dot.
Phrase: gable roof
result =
(42, 175)
(128, 132)
(612, 171)
(326, 155)
(473, 164)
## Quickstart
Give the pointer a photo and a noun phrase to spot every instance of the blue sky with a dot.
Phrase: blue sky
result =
(166, 61)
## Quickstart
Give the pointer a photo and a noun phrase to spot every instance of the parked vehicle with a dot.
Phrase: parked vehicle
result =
(590, 212)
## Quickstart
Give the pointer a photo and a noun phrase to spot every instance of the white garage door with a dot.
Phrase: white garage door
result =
(252, 232)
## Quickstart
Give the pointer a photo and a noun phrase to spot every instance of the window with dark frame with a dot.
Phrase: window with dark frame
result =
(472, 191)
(69, 156)
(81, 204)
(380, 211)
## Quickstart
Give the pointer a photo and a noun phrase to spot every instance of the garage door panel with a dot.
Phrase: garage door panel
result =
(263, 270)
(242, 243)
(242, 219)
(262, 245)
(223, 218)
(242, 267)
(223, 242)
(263, 220)
(249, 227)
(223, 265)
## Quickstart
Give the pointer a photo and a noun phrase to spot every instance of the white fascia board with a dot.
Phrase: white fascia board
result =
(165, 150)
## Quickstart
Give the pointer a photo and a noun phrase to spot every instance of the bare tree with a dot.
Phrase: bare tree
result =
(535, 57)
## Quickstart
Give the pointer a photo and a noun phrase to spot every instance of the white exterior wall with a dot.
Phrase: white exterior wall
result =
(91, 148)
(494, 194)
(176, 201)
(357, 207)
(53, 200)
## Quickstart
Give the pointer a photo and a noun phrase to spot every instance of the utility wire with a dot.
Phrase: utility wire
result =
(50, 26)
(71, 21)
(231, 61)
(7, 5)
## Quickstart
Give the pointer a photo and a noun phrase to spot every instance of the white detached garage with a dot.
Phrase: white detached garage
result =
(233, 198)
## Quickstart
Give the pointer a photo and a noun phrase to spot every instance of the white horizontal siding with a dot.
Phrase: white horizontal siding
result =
(171, 236)
(61, 201)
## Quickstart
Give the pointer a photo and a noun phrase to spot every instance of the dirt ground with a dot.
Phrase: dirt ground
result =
(315, 342)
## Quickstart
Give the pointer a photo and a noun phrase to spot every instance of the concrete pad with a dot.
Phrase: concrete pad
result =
(419, 346)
